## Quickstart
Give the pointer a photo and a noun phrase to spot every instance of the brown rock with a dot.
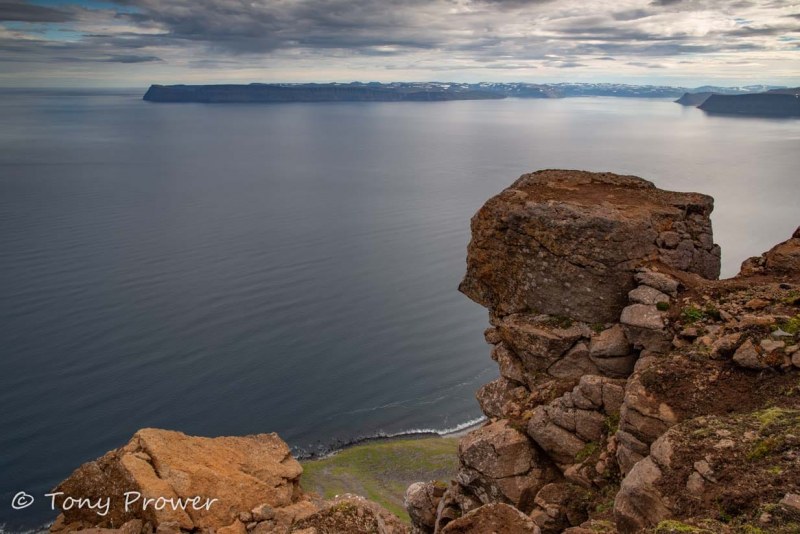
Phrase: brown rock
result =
(502, 398)
(610, 343)
(561, 444)
(782, 259)
(510, 365)
(726, 345)
(499, 463)
(537, 343)
(748, 356)
(659, 281)
(239, 472)
(492, 519)
(421, 502)
(567, 243)
(791, 501)
(785, 257)
(558, 506)
(351, 514)
(639, 504)
(647, 295)
(576, 363)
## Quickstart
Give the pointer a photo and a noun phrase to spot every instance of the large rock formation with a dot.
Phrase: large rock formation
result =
(635, 389)
(168, 482)
(566, 243)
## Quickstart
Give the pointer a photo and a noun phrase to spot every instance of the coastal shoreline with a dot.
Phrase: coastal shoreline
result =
(457, 431)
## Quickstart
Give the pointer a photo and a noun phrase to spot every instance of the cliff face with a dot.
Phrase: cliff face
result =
(636, 391)
(761, 104)
(566, 243)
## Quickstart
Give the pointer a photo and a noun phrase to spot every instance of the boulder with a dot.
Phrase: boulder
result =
(567, 243)
(559, 506)
(538, 341)
(647, 295)
(500, 464)
(492, 518)
(351, 514)
(502, 398)
(421, 502)
(203, 483)
(749, 357)
(644, 327)
(571, 426)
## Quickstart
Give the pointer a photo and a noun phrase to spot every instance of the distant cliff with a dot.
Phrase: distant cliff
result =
(761, 104)
(266, 93)
(413, 91)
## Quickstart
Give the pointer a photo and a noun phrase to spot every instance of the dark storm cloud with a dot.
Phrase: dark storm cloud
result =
(24, 12)
(267, 26)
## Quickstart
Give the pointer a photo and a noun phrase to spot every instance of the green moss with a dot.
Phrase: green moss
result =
(611, 424)
(792, 326)
(560, 321)
(588, 450)
(771, 416)
(764, 448)
(662, 306)
(382, 470)
(671, 526)
(692, 314)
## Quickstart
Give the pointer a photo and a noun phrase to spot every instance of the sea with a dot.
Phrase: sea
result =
(235, 269)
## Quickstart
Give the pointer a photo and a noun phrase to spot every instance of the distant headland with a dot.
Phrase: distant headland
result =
(415, 91)
(783, 102)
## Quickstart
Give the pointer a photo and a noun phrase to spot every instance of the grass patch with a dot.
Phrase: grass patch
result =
(382, 470)
(671, 526)
(692, 314)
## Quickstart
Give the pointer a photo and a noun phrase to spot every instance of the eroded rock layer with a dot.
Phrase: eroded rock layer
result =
(637, 393)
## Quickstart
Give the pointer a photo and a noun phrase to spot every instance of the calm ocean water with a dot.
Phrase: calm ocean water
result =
(237, 269)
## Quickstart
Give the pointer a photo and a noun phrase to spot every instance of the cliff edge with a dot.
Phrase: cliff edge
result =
(637, 393)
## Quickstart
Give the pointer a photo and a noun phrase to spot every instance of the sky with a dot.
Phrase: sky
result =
(133, 43)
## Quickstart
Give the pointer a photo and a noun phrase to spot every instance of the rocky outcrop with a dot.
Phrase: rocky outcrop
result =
(630, 378)
(421, 501)
(566, 243)
(492, 518)
(500, 464)
(184, 481)
(168, 482)
(351, 514)
(708, 466)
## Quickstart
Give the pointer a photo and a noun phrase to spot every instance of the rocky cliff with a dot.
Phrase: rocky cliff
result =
(760, 104)
(636, 392)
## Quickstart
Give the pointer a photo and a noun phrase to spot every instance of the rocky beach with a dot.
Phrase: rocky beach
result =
(637, 392)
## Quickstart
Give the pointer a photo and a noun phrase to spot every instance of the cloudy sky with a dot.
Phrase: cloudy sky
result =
(132, 43)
